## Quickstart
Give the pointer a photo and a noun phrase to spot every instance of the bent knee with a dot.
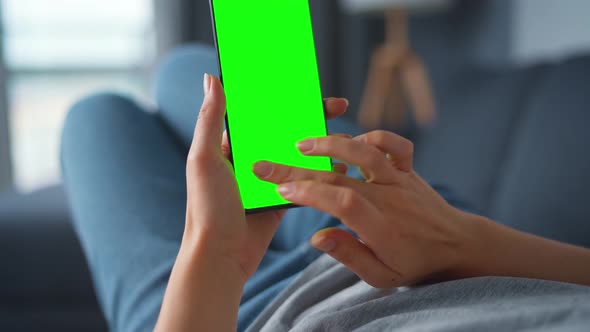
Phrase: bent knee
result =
(97, 111)
(106, 106)
(97, 117)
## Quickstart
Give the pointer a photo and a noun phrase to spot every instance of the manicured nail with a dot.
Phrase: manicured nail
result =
(306, 145)
(206, 84)
(324, 244)
(286, 190)
(263, 169)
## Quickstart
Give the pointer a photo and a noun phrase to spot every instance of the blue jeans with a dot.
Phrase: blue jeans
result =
(124, 170)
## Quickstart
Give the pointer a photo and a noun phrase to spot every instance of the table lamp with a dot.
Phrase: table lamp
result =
(397, 79)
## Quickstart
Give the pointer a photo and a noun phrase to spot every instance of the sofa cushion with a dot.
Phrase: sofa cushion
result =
(41, 257)
(545, 186)
(477, 114)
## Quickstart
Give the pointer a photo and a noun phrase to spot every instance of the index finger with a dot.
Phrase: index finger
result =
(344, 203)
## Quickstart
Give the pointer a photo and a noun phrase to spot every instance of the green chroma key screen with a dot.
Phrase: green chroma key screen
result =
(274, 100)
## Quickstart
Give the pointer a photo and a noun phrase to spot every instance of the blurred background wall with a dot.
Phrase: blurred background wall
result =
(55, 51)
(5, 157)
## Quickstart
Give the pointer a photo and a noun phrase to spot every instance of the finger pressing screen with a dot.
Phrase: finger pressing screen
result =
(278, 174)
(371, 160)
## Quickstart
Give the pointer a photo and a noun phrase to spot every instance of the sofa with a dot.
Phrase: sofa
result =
(510, 140)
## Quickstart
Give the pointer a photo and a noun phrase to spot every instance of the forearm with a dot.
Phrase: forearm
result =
(498, 250)
(203, 293)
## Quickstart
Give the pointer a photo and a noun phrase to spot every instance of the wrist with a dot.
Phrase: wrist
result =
(492, 249)
(204, 290)
(478, 241)
(198, 251)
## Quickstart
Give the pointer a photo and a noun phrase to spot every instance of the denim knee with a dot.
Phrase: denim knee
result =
(98, 111)
(179, 87)
(94, 118)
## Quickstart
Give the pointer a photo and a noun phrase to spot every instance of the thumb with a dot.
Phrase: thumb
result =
(209, 129)
(355, 255)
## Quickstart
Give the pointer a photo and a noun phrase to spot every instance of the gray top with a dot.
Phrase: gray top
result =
(328, 297)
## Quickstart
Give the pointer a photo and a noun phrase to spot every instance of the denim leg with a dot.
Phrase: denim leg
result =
(124, 173)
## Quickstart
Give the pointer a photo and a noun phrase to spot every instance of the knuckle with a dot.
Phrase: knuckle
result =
(323, 144)
(197, 158)
(377, 137)
(331, 178)
(349, 201)
(204, 112)
(407, 147)
(199, 163)
(303, 189)
(282, 173)
(381, 137)
(287, 173)
(374, 159)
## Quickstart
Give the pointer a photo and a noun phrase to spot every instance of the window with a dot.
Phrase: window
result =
(58, 51)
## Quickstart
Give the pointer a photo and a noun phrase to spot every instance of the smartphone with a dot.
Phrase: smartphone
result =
(268, 67)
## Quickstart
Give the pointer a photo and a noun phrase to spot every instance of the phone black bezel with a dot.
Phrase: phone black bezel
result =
(227, 126)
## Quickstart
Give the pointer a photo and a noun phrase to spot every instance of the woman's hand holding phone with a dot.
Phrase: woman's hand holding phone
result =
(221, 247)
(214, 208)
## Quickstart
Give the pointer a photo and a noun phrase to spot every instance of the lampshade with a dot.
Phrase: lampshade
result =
(363, 6)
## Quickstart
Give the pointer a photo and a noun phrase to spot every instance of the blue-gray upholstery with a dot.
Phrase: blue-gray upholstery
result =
(44, 281)
(544, 184)
(511, 140)
(514, 144)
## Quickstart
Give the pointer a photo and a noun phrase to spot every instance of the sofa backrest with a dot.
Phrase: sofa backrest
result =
(511, 140)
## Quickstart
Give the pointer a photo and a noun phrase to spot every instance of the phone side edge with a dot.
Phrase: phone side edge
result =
(317, 66)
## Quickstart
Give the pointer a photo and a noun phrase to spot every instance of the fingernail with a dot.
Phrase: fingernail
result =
(263, 169)
(286, 190)
(324, 244)
(306, 145)
(347, 102)
(206, 84)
